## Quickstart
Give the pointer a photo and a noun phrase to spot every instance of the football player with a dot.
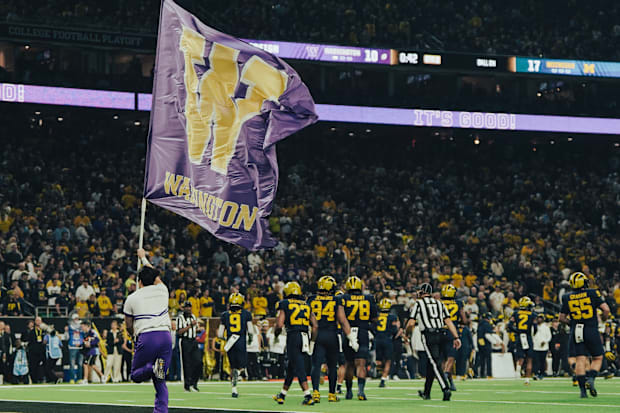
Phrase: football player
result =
(328, 310)
(341, 361)
(295, 314)
(236, 323)
(609, 343)
(459, 318)
(524, 321)
(361, 311)
(581, 305)
(387, 330)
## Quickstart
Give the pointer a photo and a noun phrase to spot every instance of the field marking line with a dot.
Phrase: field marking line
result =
(97, 390)
(615, 406)
(147, 405)
(542, 391)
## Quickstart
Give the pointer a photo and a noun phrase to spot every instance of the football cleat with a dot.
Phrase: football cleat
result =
(331, 397)
(349, 395)
(361, 396)
(316, 396)
(423, 396)
(308, 401)
(575, 383)
(584, 394)
(159, 369)
(593, 391)
(446, 395)
(339, 389)
(195, 388)
(382, 383)
(235, 395)
(279, 398)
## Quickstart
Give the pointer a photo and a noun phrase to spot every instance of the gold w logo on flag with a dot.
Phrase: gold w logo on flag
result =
(211, 109)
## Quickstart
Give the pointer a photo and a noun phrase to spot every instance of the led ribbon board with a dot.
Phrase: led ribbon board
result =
(105, 99)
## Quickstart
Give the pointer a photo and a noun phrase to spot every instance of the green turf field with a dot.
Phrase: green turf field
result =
(549, 395)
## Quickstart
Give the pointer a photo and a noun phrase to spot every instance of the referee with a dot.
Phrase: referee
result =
(191, 357)
(432, 315)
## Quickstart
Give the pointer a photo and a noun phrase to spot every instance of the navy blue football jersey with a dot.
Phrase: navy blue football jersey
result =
(581, 306)
(524, 320)
(454, 309)
(385, 328)
(297, 314)
(236, 322)
(360, 310)
(325, 308)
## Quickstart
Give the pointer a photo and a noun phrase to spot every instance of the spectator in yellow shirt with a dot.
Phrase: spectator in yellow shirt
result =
(82, 308)
(510, 301)
(181, 298)
(105, 304)
(173, 304)
(129, 200)
(195, 300)
(194, 230)
(206, 304)
(320, 250)
(259, 305)
(81, 220)
(179, 291)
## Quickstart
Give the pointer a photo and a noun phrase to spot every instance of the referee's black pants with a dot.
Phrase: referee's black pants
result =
(431, 340)
(192, 362)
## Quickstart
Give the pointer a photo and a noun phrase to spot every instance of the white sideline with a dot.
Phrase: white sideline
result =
(206, 409)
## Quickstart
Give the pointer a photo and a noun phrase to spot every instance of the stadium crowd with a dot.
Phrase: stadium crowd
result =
(498, 226)
(561, 29)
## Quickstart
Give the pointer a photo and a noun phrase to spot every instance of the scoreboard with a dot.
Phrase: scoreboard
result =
(452, 61)
(564, 67)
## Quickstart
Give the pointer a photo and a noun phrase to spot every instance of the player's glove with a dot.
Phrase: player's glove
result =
(610, 356)
(353, 343)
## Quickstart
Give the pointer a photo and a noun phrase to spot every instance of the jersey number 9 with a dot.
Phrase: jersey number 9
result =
(235, 323)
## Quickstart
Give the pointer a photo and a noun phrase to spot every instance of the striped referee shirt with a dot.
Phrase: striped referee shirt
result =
(182, 322)
(429, 313)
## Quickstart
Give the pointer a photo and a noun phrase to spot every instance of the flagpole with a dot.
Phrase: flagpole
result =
(141, 235)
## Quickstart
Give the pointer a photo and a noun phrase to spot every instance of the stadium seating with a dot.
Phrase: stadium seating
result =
(552, 28)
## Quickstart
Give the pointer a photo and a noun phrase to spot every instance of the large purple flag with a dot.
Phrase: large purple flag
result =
(219, 107)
